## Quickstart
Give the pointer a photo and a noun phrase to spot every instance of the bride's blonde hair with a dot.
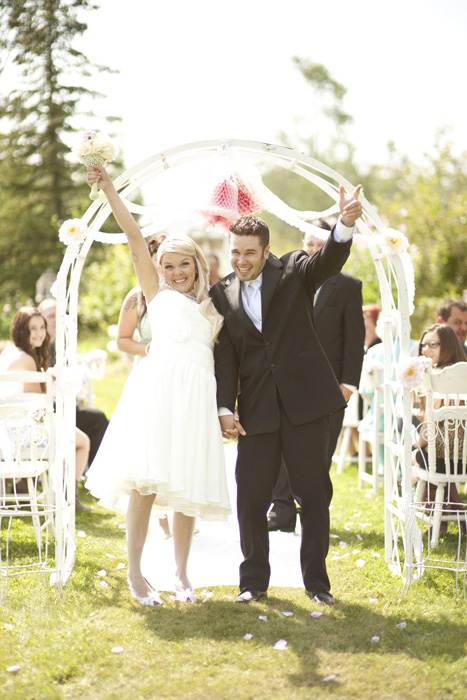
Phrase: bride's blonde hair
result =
(184, 245)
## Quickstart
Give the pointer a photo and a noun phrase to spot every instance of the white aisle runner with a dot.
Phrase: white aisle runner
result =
(216, 555)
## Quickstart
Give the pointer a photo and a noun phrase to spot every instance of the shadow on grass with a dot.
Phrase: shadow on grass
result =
(346, 629)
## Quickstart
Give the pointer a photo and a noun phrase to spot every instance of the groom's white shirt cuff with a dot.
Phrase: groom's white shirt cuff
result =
(343, 233)
(221, 411)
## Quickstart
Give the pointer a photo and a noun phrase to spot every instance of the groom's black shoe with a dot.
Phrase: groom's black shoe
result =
(250, 596)
(322, 597)
(284, 524)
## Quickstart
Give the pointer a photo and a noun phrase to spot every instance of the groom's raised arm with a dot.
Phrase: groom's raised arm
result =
(328, 261)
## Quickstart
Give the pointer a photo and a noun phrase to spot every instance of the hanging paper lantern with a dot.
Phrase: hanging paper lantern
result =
(247, 203)
(222, 209)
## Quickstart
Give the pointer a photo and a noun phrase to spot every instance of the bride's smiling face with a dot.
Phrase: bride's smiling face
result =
(179, 271)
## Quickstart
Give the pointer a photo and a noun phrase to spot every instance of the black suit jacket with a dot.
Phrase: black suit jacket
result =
(340, 327)
(286, 359)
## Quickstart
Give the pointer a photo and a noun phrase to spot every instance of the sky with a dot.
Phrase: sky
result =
(190, 71)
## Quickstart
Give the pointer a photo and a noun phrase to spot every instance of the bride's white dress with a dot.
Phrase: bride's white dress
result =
(164, 436)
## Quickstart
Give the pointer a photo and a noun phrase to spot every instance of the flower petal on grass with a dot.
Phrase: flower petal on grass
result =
(117, 650)
(104, 584)
(287, 614)
(110, 556)
(264, 618)
(281, 644)
(343, 545)
(402, 625)
(331, 677)
(360, 563)
(13, 669)
(122, 526)
(375, 639)
(359, 537)
(373, 600)
(336, 557)
(7, 626)
(316, 614)
(102, 572)
(247, 636)
(344, 556)
(81, 533)
(120, 565)
(334, 537)
(375, 554)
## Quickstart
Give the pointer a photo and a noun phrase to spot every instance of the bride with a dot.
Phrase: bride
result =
(163, 449)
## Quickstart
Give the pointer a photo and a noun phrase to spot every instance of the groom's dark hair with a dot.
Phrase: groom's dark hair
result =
(251, 226)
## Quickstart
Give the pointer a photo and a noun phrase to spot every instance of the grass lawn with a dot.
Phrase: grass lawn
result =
(63, 645)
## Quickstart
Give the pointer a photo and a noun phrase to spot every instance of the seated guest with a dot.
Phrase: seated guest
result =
(454, 313)
(31, 352)
(371, 314)
(440, 343)
(91, 421)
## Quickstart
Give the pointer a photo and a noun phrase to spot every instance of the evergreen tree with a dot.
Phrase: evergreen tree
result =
(38, 189)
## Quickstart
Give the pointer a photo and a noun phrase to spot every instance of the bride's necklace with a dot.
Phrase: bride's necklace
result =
(164, 286)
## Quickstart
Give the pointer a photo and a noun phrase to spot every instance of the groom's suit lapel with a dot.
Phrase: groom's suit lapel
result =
(272, 272)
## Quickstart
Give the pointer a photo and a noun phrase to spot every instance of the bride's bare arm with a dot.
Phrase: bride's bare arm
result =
(145, 272)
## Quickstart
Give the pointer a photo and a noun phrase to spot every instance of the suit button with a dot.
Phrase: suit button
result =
(272, 365)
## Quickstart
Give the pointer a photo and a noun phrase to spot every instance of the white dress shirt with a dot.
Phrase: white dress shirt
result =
(251, 298)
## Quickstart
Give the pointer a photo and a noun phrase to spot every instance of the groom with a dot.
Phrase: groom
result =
(269, 355)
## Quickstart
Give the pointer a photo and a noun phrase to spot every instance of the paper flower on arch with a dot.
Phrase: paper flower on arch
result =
(394, 242)
(410, 372)
(73, 232)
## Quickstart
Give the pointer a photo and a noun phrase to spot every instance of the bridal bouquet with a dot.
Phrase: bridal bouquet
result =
(94, 149)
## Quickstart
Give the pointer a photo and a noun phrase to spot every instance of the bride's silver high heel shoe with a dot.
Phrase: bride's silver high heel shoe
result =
(184, 595)
(152, 598)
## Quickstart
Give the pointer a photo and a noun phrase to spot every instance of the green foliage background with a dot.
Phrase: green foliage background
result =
(40, 186)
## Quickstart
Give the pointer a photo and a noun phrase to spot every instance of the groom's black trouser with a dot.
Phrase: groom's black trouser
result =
(305, 450)
(282, 499)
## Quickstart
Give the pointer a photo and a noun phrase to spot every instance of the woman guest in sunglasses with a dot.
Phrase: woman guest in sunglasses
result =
(440, 343)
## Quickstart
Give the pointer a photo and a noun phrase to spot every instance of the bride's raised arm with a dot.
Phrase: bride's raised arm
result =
(145, 271)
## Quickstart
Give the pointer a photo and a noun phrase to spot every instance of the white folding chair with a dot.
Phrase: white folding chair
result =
(27, 449)
(445, 433)
(370, 432)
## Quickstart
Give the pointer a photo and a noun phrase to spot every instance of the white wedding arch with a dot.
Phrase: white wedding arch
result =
(393, 268)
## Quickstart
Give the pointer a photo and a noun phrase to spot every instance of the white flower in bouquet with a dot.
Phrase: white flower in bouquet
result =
(73, 232)
(393, 242)
(410, 371)
(94, 145)
(39, 411)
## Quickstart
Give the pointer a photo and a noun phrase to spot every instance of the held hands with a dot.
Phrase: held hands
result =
(97, 173)
(231, 426)
(350, 208)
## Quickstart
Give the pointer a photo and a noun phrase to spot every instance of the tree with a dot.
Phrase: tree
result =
(38, 187)
(427, 201)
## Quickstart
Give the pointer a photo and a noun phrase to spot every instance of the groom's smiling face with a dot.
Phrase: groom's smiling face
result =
(247, 256)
